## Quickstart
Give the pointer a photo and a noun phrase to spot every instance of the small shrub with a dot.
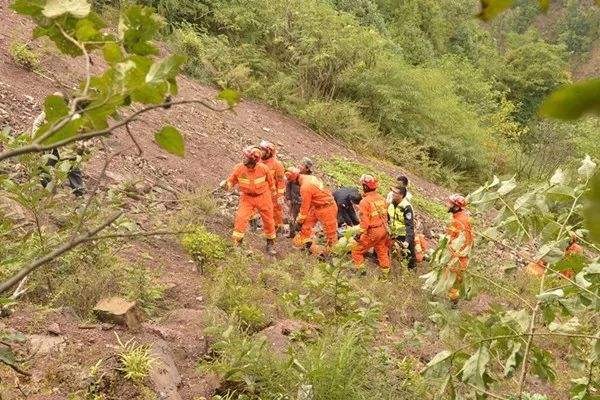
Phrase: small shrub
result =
(205, 247)
(143, 287)
(135, 360)
(234, 292)
(24, 56)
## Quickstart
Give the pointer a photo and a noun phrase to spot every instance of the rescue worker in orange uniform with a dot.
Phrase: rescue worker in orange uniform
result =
(317, 205)
(460, 226)
(538, 268)
(269, 158)
(372, 211)
(257, 190)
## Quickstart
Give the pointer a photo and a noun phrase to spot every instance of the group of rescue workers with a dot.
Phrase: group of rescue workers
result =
(384, 224)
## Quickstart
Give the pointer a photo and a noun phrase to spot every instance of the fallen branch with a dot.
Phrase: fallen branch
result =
(137, 234)
(25, 271)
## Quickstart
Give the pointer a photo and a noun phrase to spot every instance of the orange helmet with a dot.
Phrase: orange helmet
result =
(292, 174)
(457, 200)
(251, 153)
(369, 182)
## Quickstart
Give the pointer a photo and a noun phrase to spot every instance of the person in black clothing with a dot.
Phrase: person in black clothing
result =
(345, 199)
(292, 197)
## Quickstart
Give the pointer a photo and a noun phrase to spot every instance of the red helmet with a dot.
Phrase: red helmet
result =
(457, 200)
(251, 153)
(292, 174)
(369, 182)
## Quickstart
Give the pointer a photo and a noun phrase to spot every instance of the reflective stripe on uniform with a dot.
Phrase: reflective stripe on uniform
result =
(280, 191)
(237, 235)
(260, 180)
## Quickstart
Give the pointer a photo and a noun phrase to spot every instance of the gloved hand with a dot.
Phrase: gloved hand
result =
(223, 184)
(405, 245)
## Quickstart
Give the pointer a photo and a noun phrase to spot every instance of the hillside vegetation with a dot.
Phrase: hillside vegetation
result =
(419, 82)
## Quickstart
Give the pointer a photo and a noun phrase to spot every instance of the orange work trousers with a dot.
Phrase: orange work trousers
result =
(277, 213)
(459, 270)
(378, 239)
(249, 205)
(327, 216)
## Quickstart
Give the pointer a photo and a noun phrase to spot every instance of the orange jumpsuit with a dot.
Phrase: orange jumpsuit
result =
(257, 189)
(538, 268)
(317, 205)
(372, 211)
(278, 174)
(421, 247)
(460, 224)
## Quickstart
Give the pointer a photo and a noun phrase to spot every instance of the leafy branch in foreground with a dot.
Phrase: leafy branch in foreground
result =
(501, 346)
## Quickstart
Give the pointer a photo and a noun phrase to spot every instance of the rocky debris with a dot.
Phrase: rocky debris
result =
(54, 329)
(117, 310)
(184, 329)
(280, 335)
(164, 375)
(44, 344)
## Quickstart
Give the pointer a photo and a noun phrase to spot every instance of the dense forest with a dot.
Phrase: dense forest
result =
(418, 82)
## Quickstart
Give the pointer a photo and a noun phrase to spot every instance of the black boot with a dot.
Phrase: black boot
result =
(271, 247)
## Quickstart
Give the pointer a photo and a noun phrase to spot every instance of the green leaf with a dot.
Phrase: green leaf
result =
(170, 139)
(474, 369)
(573, 101)
(439, 357)
(587, 168)
(61, 42)
(513, 361)
(521, 318)
(491, 8)
(542, 364)
(112, 53)
(69, 130)
(137, 27)
(8, 357)
(56, 8)
(165, 69)
(85, 30)
(551, 295)
(558, 178)
(55, 107)
(591, 212)
(28, 7)
(230, 96)
(544, 4)
(507, 186)
(570, 326)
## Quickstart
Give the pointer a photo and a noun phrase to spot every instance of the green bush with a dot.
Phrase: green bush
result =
(205, 247)
(231, 289)
(22, 54)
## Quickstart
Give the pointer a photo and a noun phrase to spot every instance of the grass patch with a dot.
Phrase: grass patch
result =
(205, 247)
(23, 56)
(92, 272)
(347, 173)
